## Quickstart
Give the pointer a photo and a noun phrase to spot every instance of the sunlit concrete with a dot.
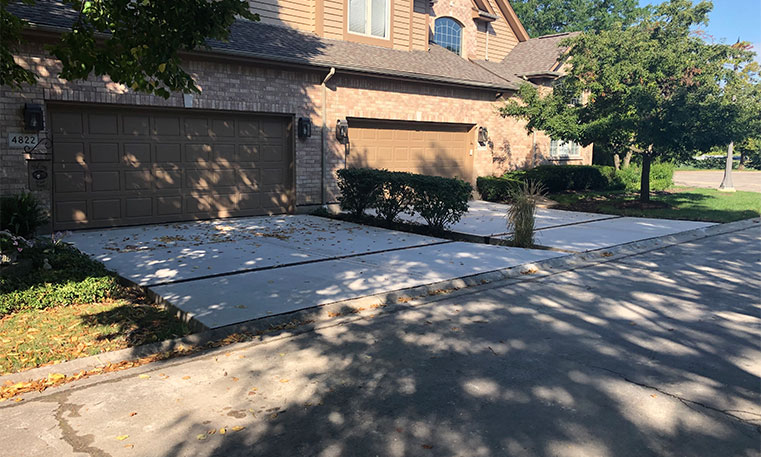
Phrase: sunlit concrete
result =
(221, 301)
(155, 254)
(611, 232)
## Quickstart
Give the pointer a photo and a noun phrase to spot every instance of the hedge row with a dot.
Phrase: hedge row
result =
(561, 178)
(439, 201)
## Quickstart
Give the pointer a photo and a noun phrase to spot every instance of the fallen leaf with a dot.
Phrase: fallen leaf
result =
(223, 430)
(144, 376)
(235, 379)
(201, 436)
(283, 380)
(122, 437)
(427, 446)
(132, 414)
(237, 428)
(129, 446)
(55, 377)
(186, 378)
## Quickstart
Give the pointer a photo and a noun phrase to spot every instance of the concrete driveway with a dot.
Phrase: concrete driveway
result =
(742, 180)
(651, 355)
(228, 271)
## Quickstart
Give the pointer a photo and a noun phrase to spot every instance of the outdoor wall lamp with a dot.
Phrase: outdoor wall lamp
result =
(342, 131)
(33, 119)
(483, 135)
(304, 129)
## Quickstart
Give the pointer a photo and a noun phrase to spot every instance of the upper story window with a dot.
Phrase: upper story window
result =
(369, 17)
(448, 34)
(564, 149)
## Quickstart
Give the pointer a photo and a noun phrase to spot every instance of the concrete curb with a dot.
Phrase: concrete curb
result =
(289, 324)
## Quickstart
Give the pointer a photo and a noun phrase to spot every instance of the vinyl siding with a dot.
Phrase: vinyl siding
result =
(420, 25)
(333, 21)
(401, 24)
(298, 14)
(503, 39)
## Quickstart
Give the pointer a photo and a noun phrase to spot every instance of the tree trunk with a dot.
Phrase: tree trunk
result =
(644, 188)
(617, 161)
(741, 165)
(726, 183)
(627, 158)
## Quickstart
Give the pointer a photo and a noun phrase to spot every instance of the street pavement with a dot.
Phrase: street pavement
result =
(742, 180)
(651, 355)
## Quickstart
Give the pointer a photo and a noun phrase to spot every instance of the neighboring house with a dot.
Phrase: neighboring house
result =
(415, 80)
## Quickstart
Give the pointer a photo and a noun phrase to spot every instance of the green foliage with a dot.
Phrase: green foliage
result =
(661, 176)
(521, 216)
(493, 189)
(558, 178)
(73, 278)
(135, 43)
(440, 201)
(544, 17)
(654, 88)
(359, 189)
(21, 214)
(395, 196)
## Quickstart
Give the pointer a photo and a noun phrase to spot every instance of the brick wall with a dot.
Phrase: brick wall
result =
(237, 86)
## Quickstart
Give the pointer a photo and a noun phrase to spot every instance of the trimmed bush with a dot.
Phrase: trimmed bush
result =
(559, 178)
(395, 195)
(661, 176)
(495, 189)
(440, 201)
(21, 214)
(359, 189)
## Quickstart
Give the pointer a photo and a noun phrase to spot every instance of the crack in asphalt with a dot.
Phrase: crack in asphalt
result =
(687, 402)
(79, 443)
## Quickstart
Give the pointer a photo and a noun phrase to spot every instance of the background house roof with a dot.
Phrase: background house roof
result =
(276, 43)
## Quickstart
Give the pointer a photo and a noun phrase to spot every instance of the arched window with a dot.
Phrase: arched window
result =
(448, 34)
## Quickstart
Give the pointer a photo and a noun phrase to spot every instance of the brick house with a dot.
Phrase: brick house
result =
(414, 80)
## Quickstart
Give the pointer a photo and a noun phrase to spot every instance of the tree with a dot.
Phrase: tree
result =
(654, 88)
(544, 17)
(135, 43)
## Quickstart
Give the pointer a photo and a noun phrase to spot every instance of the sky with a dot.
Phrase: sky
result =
(733, 19)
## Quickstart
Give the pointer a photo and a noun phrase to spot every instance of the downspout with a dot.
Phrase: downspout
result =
(324, 129)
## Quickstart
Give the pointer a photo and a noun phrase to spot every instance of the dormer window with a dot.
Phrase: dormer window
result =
(448, 34)
(369, 17)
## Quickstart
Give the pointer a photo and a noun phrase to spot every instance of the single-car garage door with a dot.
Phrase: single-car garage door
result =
(417, 147)
(123, 166)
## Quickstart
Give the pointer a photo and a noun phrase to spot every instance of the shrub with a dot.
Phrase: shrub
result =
(440, 201)
(494, 189)
(559, 178)
(21, 214)
(521, 215)
(395, 195)
(359, 189)
(71, 278)
(661, 176)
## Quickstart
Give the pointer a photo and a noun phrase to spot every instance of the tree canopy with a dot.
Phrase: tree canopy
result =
(544, 17)
(655, 88)
(135, 43)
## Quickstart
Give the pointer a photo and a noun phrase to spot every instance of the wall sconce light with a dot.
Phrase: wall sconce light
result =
(342, 131)
(304, 128)
(483, 135)
(33, 119)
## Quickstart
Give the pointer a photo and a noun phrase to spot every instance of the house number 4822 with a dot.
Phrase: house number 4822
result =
(19, 140)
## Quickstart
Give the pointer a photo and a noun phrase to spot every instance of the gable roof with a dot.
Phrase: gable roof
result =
(534, 57)
(275, 43)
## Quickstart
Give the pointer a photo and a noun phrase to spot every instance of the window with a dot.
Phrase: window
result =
(369, 17)
(564, 149)
(448, 34)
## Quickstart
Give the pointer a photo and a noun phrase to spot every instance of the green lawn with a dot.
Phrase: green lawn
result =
(684, 203)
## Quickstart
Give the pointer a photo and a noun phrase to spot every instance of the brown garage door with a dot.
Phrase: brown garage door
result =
(123, 166)
(417, 147)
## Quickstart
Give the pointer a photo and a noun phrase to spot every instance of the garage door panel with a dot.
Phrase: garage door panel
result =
(105, 181)
(435, 149)
(120, 166)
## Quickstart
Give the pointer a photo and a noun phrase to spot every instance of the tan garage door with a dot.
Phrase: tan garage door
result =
(124, 166)
(417, 147)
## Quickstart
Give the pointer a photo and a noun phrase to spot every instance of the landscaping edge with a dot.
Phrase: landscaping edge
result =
(279, 326)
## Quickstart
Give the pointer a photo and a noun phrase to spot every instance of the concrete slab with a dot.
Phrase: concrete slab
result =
(490, 219)
(217, 302)
(611, 232)
(156, 254)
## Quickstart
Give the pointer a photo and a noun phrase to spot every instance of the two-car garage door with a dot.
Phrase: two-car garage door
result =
(118, 166)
